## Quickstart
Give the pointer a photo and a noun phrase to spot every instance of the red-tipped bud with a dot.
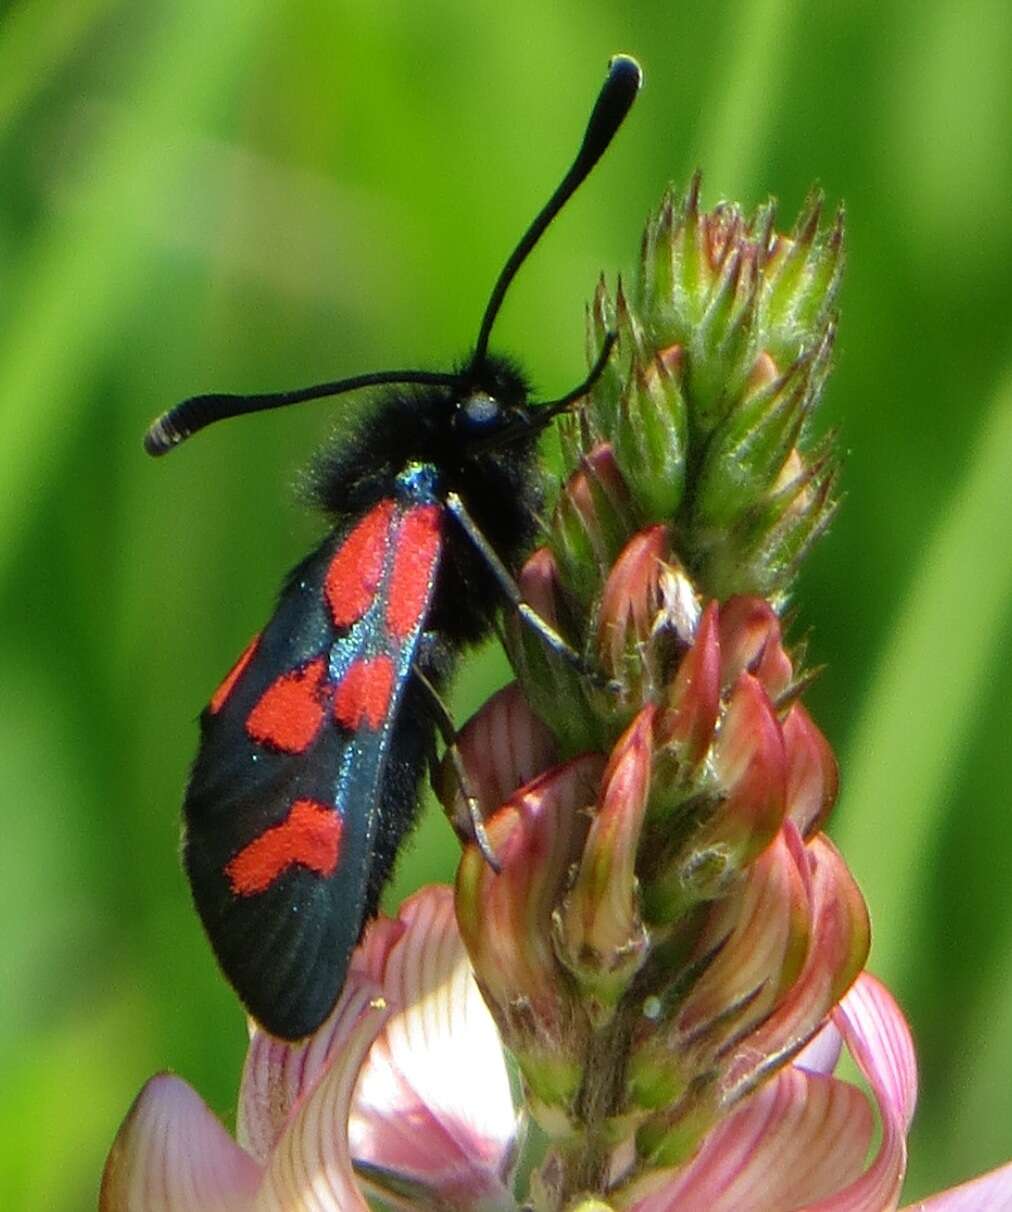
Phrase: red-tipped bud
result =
(750, 640)
(751, 766)
(731, 781)
(760, 936)
(812, 774)
(688, 723)
(539, 584)
(600, 934)
(630, 603)
(593, 520)
(506, 918)
(840, 939)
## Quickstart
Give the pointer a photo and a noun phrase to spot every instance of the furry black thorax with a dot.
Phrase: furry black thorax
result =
(499, 485)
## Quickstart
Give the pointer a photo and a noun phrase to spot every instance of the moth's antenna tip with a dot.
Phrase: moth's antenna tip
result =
(614, 100)
(624, 68)
(161, 436)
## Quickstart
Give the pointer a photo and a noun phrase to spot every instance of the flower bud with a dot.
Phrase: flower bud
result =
(739, 810)
(803, 271)
(505, 920)
(688, 723)
(838, 949)
(751, 445)
(758, 935)
(593, 519)
(750, 764)
(574, 708)
(600, 935)
(502, 747)
(748, 952)
(626, 620)
(724, 344)
(650, 435)
(750, 641)
(812, 774)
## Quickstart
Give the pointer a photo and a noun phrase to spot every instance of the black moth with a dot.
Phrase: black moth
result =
(313, 747)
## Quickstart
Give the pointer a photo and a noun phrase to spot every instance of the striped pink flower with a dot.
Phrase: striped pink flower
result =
(405, 1091)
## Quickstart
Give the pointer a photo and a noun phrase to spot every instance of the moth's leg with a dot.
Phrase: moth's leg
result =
(511, 590)
(444, 723)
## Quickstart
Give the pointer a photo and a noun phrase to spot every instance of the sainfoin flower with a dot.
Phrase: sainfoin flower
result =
(420, 1097)
(642, 1008)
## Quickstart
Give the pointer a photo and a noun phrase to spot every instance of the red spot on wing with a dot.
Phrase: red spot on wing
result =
(418, 543)
(357, 567)
(362, 696)
(310, 835)
(233, 676)
(290, 711)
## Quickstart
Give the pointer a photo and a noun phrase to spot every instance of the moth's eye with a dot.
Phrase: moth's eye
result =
(479, 415)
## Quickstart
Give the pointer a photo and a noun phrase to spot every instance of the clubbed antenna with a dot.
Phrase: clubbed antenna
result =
(613, 103)
(196, 413)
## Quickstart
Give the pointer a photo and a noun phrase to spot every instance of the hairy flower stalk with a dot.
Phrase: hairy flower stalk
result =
(671, 951)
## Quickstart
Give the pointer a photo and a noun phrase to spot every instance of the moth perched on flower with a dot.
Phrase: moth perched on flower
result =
(639, 1007)
(313, 747)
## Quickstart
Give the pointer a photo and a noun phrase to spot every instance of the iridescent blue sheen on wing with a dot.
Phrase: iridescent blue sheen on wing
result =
(282, 897)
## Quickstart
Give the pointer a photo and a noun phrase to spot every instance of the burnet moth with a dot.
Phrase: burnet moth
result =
(313, 747)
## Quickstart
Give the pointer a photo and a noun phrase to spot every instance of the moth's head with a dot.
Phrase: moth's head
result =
(491, 408)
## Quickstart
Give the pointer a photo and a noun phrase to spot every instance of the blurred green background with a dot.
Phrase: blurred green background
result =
(249, 196)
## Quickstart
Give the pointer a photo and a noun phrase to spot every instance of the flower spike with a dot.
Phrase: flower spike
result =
(671, 952)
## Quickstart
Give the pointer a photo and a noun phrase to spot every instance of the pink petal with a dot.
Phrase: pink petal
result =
(173, 1155)
(600, 916)
(877, 1034)
(277, 1074)
(822, 1053)
(433, 1101)
(504, 745)
(310, 1168)
(799, 1137)
(839, 947)
(764, 927)
(878, 1037)
(505, 919)
(992, 1192)
(750, 640)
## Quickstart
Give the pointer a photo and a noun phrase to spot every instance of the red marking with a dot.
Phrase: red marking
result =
(291, 709)
(233, 675)
(357, 567)
(363, 695)
(310, 835)
(417, 550)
